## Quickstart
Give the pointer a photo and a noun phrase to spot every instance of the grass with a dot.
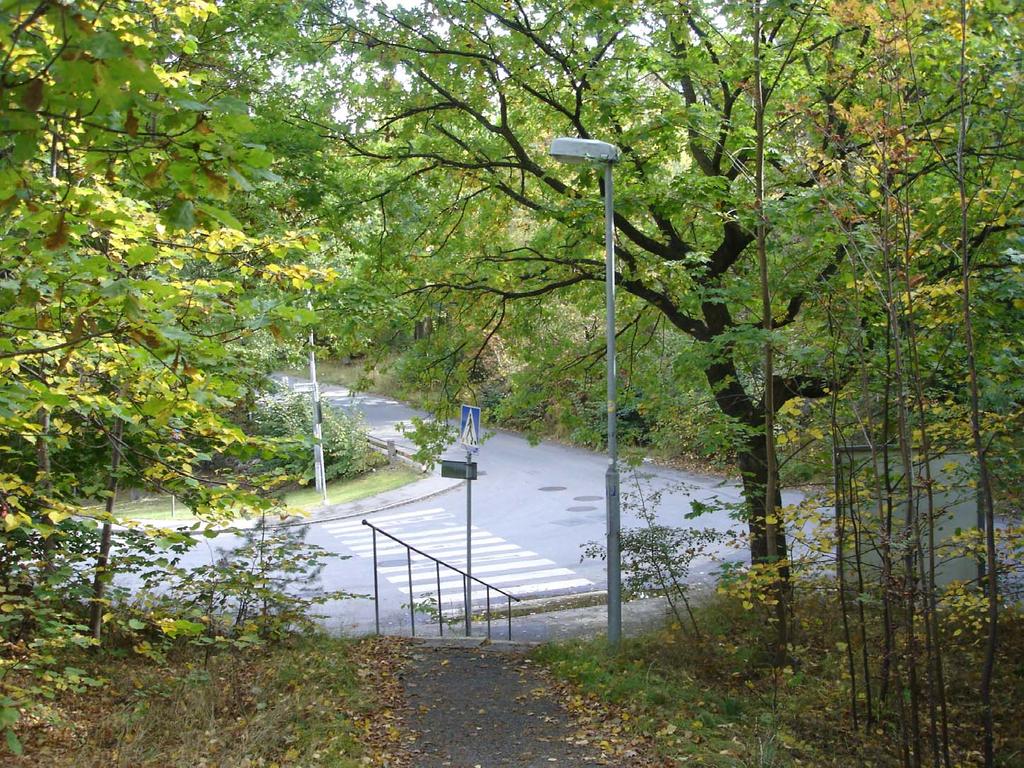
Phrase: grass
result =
(688, 721)
(338, 492)
(713, 700)
(318, 701)
(371, 484)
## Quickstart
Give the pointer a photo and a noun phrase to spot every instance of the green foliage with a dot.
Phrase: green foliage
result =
(717, 700)
(42, 621)
(314, 700)
(288, 417)
(156, 260)
(678, 708)
(263, 589)
(128, 293)
(430, 436)
(658, 559)
(477, 228)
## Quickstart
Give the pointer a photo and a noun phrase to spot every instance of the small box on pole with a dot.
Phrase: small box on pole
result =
(462, 470)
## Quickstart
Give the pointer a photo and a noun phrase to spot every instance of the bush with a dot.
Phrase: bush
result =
(265, 587)
(657, 558)
(287, 415)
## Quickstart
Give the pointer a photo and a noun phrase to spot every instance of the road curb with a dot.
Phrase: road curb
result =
(252, 522)
(538, 605)
(351, 514)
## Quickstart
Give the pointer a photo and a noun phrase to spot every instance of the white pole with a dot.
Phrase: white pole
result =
(320, 475)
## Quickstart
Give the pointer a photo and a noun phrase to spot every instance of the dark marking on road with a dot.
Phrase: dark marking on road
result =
(583, 508)
(587, 498)
(552, 488)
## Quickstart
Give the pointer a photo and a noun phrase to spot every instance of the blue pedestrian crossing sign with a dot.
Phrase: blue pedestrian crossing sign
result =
(469, 428)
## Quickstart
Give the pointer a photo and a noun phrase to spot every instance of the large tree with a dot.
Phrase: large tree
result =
(449, 108)
(446, 110)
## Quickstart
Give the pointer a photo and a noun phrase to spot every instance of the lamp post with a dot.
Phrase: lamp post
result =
(589, 151)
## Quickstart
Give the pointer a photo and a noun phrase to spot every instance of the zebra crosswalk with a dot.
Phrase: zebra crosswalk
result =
(442, 535)
(345, 398)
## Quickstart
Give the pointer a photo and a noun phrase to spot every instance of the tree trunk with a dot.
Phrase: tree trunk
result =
(44, 481)
(99, 582)
(753, 464)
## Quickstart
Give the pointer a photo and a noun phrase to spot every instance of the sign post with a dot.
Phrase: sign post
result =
(469, 436)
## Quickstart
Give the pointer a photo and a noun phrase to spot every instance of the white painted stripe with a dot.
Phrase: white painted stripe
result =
(423, 564)
(394, 518)
(460, 553)
(388, 518)
(516, 591)
(437, 539)
(499, 568)
(435, 549)
(402, 529)
(366, 539)
(406, 532)
(436, 535)
(454, 553)
(444, 555)
(496, 581)
(418, 561)
(548, 586)
(505, 556)
(395, 530)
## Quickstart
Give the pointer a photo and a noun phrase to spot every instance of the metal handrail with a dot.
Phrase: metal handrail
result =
(467, 580)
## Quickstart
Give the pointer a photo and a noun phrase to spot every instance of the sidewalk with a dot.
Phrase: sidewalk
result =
(466, 708)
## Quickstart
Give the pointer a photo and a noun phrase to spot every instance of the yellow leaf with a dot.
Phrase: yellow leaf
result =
(57, 516)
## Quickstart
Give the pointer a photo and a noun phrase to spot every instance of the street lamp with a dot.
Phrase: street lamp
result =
(569, 150)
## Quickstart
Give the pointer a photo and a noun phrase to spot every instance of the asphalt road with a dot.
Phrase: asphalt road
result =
(535, 507)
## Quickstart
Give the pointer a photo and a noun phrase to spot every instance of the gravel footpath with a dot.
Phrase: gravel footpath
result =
(477, 708)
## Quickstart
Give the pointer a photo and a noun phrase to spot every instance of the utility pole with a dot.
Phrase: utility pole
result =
(319, 473)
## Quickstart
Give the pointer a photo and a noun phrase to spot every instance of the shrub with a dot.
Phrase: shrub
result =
(657, 558)
(287, 416)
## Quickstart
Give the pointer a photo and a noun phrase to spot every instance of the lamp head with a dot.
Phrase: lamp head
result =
(570, 150)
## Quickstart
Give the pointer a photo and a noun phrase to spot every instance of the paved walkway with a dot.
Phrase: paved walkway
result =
(475, 708)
